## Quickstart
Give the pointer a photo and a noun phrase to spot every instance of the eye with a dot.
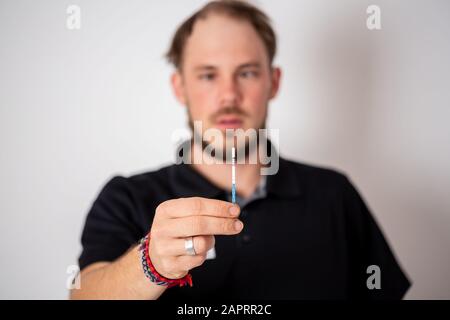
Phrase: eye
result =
(248, 74)
(207, 76)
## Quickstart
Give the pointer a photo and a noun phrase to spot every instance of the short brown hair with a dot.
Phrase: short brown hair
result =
(234, 8)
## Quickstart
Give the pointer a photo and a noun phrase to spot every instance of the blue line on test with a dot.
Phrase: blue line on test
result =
(233, 175)
(233, 193)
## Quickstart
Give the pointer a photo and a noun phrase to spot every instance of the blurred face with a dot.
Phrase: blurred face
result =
(226, 80)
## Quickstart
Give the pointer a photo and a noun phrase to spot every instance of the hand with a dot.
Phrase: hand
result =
(200, 218)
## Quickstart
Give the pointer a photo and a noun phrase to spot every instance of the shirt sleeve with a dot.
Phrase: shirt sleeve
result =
(110, 228)
(368, 247)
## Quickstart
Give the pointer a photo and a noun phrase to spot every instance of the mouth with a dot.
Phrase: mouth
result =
(229, 123)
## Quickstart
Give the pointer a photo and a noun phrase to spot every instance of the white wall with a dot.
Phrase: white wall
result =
(78, 106)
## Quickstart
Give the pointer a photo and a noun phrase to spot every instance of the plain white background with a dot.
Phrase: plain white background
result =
(77, 107)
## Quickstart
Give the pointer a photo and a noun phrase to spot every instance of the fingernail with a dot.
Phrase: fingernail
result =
(238, 225)
(234, 210)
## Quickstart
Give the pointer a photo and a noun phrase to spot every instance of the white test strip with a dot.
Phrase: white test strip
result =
(233, 175)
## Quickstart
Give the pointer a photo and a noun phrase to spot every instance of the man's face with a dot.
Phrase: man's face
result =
(226, 80)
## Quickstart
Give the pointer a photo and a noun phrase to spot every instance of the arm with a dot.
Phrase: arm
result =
(174, 220)
(121, 279)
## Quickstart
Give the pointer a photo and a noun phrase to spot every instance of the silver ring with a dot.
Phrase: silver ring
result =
(189, 246)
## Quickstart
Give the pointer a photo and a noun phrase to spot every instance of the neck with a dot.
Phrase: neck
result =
(247, 175)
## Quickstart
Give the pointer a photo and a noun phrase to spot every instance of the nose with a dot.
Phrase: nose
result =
(229, 93)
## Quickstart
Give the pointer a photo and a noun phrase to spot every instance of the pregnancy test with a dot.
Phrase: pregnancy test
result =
(233, 175)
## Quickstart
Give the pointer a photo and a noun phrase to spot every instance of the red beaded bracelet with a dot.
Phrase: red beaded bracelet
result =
(151, 273)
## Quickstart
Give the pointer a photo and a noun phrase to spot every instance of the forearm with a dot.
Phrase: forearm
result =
(121, 279)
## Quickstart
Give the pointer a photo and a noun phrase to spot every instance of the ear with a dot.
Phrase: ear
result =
(275, 82)
(178, 87)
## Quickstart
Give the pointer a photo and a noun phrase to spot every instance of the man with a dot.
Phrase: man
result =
(302, 233)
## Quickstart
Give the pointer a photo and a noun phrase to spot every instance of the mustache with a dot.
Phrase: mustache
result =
(231, 110)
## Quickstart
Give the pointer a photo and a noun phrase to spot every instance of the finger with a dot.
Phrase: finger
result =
(175, 246)
(173, 267)
(200, 225)
(187, 263)
(197, 206)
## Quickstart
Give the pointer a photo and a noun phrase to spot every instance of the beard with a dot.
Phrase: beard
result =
(243, 150)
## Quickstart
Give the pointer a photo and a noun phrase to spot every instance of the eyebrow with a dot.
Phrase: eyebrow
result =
(241, 66)
(250, 65)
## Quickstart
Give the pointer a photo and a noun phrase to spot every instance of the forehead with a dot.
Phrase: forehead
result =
(223, 41)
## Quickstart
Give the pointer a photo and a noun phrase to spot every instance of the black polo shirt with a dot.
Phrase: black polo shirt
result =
(310, 237)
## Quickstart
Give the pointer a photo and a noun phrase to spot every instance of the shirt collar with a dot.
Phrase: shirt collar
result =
(187, 182)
